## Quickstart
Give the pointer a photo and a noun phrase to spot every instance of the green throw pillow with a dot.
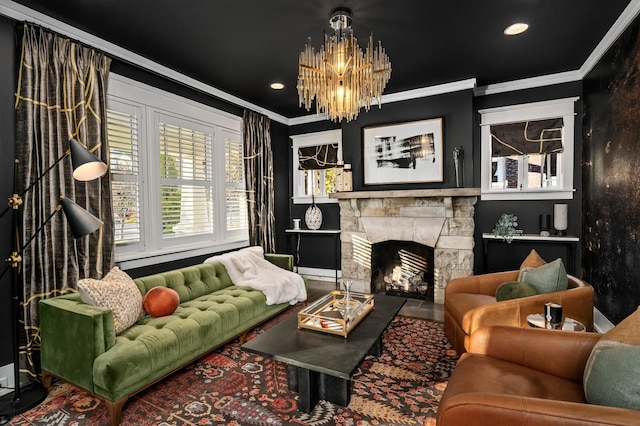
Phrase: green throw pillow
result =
(546, 278)
(514, 290)
(611, 375)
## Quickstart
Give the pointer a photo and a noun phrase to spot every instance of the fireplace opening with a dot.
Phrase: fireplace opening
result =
(402, 268)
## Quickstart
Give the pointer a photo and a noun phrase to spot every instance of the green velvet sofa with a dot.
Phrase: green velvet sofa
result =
(79, 345)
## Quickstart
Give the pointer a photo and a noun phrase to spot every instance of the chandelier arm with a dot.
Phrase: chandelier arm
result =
(369, 65)
(382, 70)
(332, 68)
(308, 67)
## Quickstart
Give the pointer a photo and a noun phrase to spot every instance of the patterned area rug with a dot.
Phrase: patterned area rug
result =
(233, 387)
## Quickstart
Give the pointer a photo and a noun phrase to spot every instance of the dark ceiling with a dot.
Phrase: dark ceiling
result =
(242, 46)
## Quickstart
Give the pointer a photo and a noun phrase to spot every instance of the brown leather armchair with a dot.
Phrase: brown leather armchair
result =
(470, 303)
(520, 376)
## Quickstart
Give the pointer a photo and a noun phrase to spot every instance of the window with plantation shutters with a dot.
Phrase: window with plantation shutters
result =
(236, 200)
(178, 186)
(124, 134)
(185, 181)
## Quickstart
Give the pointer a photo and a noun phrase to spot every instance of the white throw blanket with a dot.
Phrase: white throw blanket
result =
(248, 267)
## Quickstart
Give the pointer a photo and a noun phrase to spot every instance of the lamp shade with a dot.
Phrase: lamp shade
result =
(86, 166)
(80, 221)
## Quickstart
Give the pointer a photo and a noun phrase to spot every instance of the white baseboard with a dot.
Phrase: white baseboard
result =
(319, 274)
(600, 323)
(6, 371)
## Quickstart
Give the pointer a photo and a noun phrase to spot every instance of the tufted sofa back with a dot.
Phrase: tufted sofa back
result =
(190, 282)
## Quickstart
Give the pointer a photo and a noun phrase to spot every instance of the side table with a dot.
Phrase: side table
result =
(335, 233)
(569, 324)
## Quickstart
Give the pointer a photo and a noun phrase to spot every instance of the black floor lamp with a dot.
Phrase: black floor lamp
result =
(86, 166)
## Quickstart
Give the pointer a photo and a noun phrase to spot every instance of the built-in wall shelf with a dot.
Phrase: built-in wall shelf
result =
(569, 241)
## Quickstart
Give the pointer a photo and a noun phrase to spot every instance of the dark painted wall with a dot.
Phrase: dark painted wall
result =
(457, 111)
(509, 256)
(315, 251)
(7, 146)
(461, 128)
(611, 229)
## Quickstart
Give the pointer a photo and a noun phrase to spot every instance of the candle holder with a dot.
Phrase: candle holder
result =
(545, 223)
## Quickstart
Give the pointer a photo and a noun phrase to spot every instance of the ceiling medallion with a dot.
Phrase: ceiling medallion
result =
(341, 77)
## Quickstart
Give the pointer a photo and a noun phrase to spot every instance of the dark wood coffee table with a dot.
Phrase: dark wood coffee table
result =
(319, 365)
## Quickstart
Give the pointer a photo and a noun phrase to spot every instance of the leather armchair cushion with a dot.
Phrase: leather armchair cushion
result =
(549, 277)
(502, 377)
(514, 290)
(611, 375)
(612, 371)
(533, 260)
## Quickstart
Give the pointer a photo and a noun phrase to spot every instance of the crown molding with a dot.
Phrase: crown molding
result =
(528, 83)
(621, 24)
(19, 12)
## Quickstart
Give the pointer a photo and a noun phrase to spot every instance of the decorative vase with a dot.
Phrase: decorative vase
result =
(347, 305)
(313, 216)
(560, 219)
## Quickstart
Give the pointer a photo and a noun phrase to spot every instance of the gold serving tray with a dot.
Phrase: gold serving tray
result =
(324, 314)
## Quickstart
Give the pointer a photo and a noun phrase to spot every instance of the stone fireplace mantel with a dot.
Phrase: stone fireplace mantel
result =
(411, 193)
(439, 218)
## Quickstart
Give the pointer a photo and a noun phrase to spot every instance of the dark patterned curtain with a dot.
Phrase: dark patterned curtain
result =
(60, 94)
(258, 170)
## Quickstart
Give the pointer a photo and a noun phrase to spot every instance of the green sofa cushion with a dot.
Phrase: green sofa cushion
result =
(547, 278)
(190, 283)
(155, 345)
(514, 290)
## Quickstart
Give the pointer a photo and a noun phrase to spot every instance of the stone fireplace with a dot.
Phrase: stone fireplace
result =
(442, 219)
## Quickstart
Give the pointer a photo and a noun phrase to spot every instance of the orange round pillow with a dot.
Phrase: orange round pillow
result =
(160, 301)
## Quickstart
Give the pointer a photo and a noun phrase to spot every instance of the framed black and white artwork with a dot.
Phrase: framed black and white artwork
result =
(408, 152)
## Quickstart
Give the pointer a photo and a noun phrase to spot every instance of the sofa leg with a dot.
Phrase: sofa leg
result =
(46, 379)
(115, 410)
(243, 337)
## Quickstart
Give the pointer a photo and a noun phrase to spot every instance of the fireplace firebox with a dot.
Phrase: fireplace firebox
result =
(402, 268)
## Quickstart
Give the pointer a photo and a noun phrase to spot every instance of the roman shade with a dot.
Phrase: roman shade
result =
(527, 137)
(318, 157)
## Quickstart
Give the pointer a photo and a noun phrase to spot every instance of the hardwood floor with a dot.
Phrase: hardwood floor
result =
(412, 308)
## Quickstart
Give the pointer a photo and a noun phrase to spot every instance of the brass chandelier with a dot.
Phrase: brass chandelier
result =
(340, 77)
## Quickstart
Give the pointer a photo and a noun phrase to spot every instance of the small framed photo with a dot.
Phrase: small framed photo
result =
(408, 152)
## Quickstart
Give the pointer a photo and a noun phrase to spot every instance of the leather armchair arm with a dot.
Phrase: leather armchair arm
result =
(577, 303)
(535, 348)
(480, 284)
(494, 409)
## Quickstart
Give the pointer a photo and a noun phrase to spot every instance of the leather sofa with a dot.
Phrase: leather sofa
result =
(79, 344)
(526, 376)
(470, 303)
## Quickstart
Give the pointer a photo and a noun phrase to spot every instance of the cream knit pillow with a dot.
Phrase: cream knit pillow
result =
(116, 292)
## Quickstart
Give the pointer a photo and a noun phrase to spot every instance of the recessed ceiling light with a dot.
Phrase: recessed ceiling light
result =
(277, 86)
(517, 28)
